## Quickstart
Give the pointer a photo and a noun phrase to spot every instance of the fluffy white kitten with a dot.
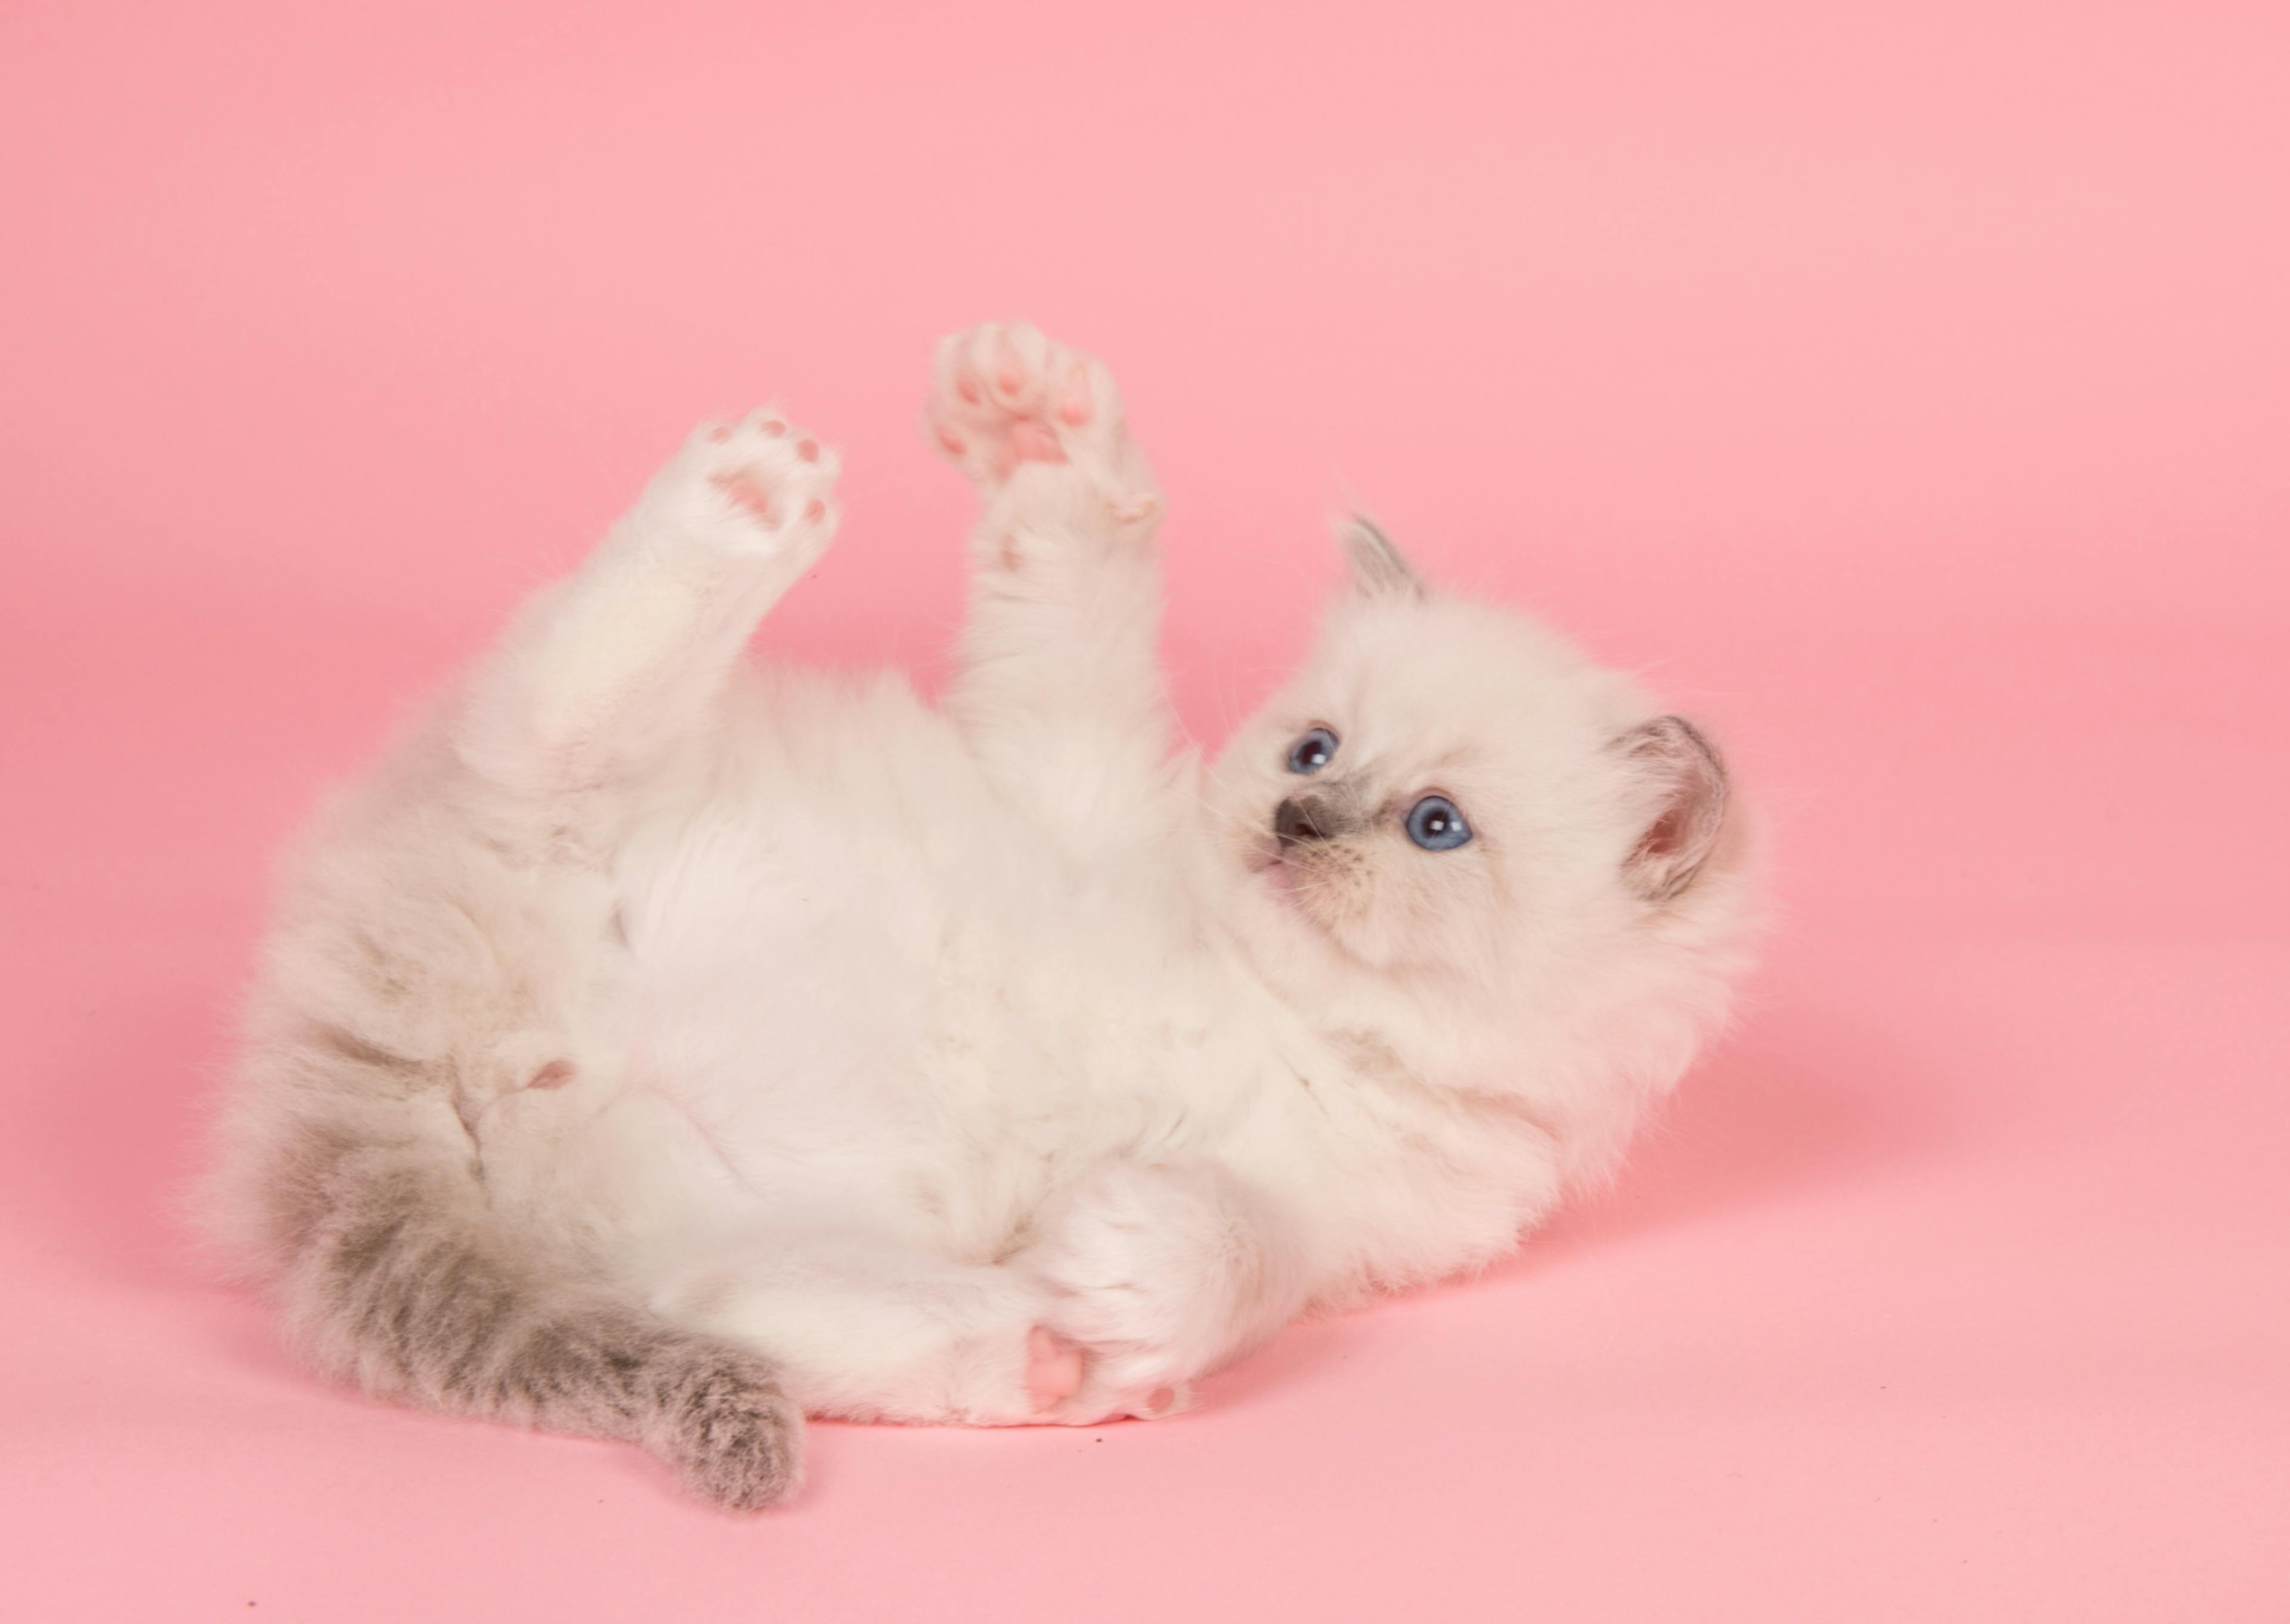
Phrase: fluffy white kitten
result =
(659, 1049)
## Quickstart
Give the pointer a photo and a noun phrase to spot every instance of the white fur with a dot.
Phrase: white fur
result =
(892, 1034)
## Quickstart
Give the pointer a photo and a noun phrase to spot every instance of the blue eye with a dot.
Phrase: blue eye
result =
(1434, 824)
(1312, 752)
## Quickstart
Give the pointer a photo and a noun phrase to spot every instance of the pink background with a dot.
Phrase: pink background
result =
(1906, 386)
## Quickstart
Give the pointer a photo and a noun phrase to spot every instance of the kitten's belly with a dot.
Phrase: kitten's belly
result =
(875, 991)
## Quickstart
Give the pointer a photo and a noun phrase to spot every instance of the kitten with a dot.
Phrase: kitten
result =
(657, 1048)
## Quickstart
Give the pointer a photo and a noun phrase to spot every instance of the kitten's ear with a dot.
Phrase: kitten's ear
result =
(1685, 788)
(1377, 565)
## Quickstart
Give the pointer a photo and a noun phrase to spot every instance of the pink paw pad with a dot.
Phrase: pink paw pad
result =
(1053, 1368)
(754, 500)
(1003, 395)
(1029, 442)
(1076, 407)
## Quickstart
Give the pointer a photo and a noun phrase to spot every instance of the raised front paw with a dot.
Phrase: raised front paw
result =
(1007, 395)
(756, 484)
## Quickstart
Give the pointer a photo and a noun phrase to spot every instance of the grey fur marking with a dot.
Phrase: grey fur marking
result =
(1377, 565)
(1316, 816)
(408, 1290)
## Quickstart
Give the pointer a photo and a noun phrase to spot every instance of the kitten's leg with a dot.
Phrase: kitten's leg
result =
(1060, 690)
(867, 1328)
(608, 672)
(1161, 1273)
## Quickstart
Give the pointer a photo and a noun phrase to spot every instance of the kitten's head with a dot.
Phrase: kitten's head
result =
(1449, 793)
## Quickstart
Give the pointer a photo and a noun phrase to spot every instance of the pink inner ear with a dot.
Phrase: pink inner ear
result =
(1684, 831)
(1667, 837)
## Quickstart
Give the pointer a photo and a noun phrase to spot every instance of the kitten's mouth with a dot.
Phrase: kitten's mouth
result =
(1269, 860)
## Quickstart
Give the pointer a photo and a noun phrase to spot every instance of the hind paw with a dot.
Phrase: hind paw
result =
(1070, 1385)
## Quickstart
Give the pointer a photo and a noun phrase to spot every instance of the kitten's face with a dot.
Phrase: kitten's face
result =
(1450, 787)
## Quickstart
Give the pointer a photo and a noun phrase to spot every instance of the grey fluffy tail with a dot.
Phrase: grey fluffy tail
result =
(394, 1272)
